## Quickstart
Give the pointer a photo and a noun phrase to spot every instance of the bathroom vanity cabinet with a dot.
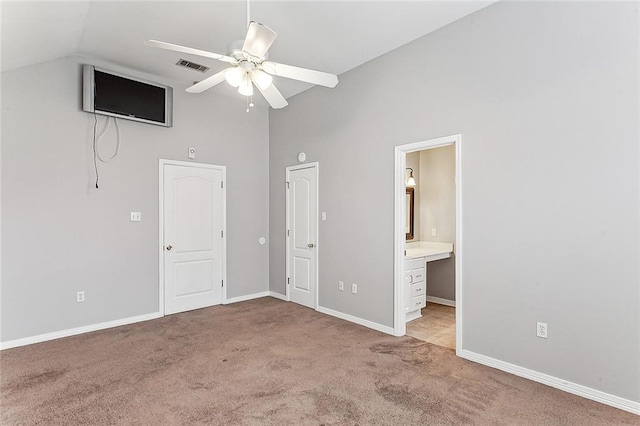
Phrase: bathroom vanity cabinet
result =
(415, 287)
(417, 257)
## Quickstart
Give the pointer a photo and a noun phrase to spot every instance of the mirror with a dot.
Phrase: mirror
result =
(409, 209)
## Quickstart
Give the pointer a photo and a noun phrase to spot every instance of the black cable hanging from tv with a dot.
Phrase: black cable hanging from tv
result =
(95, 124)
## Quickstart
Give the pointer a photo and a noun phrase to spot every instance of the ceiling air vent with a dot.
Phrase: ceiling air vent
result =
(192, 65)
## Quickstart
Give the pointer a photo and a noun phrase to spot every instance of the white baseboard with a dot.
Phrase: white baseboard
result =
(110, 324)
(574, 388)
(413, 315)
(75, 331)
(351, 318)
(278, 296)
(441, 301)
(247, 297)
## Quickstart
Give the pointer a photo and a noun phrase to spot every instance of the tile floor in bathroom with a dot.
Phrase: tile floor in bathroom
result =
(437, 325)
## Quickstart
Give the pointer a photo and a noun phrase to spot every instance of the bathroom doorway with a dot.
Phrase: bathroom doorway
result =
(428, 255)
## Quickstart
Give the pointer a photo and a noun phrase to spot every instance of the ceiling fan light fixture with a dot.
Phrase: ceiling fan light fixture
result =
(234, 76)
(261, 79)
(246, 88)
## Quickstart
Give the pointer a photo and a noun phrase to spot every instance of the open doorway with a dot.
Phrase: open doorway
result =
(428, 257)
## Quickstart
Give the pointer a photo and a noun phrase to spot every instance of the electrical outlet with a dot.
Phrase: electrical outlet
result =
(354, 288)
(324, 216)
(434, 232)
(541, 330)
(191, 153)
(341, 285)
(80, 296)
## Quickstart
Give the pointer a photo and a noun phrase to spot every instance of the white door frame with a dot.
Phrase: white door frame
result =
(401, 151)
(223, 169)
(289, 169)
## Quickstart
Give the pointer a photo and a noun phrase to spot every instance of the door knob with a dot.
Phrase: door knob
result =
(169, 247)
(310, 245)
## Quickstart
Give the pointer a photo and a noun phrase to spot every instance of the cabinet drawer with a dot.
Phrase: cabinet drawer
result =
(418, 275)
(414, 263)
(417, 289)
(417, 302)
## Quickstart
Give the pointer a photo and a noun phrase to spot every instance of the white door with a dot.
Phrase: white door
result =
(302, 229)
(193, 224)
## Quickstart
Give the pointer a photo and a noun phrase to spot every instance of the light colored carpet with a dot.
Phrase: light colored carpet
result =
(269, 362)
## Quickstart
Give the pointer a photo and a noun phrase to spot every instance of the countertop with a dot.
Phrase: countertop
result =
(430, 251)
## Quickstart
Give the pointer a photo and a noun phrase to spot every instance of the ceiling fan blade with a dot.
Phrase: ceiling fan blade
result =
(301, 74)
(259, 39)
(274, 97)
(207, 83)
(189, 50)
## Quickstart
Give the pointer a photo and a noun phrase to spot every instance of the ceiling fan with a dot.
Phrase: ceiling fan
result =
(249, 66)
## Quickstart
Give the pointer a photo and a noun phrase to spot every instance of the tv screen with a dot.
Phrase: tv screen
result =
(120, 96)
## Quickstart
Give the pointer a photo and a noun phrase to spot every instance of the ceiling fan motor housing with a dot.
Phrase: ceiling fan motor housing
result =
(235, 51)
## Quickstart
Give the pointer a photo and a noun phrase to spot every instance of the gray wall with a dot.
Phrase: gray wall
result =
(437, 188)
(545, 95)
(61, 235)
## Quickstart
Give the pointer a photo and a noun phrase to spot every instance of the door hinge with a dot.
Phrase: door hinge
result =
(288, 233)
(288, 280)
(221, 184)
(287, 185)
(222, 283)
(221, 234)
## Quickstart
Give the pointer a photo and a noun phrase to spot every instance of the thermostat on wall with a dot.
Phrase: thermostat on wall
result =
(302, 157)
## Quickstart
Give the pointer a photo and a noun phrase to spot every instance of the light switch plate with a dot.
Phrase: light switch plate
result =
(136, 216)
(191, 153)
(324, 216)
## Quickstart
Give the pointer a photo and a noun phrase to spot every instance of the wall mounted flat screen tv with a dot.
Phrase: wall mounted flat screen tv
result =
(109, 93)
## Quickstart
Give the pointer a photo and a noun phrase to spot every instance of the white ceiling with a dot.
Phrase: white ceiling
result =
(332, 36)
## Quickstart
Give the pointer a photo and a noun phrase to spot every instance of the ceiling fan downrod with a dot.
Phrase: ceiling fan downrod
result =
(248, 14)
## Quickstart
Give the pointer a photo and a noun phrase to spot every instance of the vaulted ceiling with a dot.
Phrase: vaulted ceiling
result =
(332, 36)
